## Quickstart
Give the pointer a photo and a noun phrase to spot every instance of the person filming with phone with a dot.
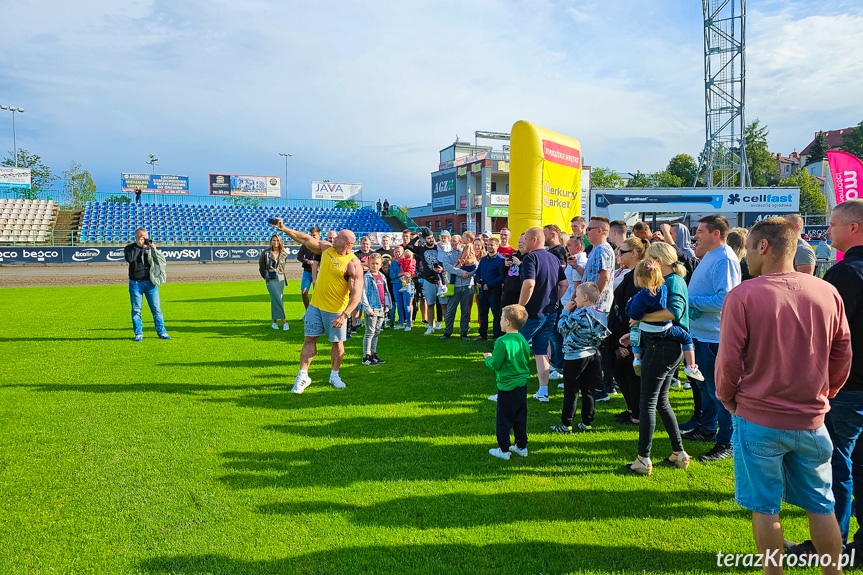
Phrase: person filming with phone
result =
(146, 272)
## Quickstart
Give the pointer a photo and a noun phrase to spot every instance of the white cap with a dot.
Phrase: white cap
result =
(487, 233)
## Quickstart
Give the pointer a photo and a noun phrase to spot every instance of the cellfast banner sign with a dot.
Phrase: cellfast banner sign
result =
(155, 183)
(245, 186)
(443, 191)
(83, 255)
(14, 178)
(614, 202)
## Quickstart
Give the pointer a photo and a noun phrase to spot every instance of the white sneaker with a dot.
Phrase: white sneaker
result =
(517, 451)
(285, 327)
(493, 397)
(301, 383)
(430, 330)
(541, 398)
(407, 328)
(497, 452)
(275, 325)
(399, 327)
(437, 325)
(555, 375)
(693, 372)
(337, 382)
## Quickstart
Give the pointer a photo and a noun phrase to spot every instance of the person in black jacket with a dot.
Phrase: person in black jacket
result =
(632, 252)
(136, 255)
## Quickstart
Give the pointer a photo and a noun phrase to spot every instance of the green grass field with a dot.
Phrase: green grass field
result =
(192, 456)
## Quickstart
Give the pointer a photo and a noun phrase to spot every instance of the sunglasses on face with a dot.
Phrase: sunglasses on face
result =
(624, 252)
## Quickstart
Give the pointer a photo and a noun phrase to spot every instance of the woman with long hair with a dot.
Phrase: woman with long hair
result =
(631, 253)
(272, 268)
(661, 357)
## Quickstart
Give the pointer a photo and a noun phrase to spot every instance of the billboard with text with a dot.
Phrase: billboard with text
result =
(14, 178)
(337, 191)
(154, 183)
(245, 186)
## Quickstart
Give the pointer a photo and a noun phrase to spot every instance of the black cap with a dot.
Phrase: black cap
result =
(425, 232)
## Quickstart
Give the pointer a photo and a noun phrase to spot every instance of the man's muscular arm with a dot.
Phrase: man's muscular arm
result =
(316, 245)
(354, 277)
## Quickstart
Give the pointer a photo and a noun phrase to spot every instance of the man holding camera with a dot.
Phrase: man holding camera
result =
(339, 288)
(138, 254)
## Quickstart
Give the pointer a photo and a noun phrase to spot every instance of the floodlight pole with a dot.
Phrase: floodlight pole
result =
(13, 109)
(153, 161)
(286, 175)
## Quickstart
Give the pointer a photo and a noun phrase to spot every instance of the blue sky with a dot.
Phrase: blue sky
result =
(370, 92)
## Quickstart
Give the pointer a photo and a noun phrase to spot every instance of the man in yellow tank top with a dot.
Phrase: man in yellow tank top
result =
(339, 287)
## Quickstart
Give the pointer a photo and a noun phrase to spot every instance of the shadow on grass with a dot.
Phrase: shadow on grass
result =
(468, 510)
(175, 388)
(262, 297)
(515, 557)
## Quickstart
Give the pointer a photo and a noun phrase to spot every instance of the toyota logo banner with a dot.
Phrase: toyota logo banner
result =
(87, 255)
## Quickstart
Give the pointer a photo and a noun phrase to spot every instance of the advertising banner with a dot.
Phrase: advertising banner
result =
(154, 183)
(494, 212)
(752, 218)
(14, 178)
(81, 255)
(443, 191)
(545, 169)
(613, 204)
(847, 171)
(245, 186)
(500, 199)
(337, 191)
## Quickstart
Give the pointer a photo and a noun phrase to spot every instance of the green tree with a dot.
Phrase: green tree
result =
(852, 142)
(812, 201)
(819, 149)
(78, 186)
(665, 179)
(118, 199)
(684, 167)
(347, 204)
(763, 169)
(40, 174)
(639, 180)
(604, 178)
(241, 201)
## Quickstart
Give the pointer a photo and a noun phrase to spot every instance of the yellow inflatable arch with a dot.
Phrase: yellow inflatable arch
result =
(544, 178)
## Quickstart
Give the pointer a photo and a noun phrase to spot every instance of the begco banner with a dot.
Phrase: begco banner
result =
(245, 186)
(154, 183)
(82, 255)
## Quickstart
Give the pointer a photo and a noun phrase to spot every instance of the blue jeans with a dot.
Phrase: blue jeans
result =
(713, 410)
(151, 290)
(403, 302)
(844, 423)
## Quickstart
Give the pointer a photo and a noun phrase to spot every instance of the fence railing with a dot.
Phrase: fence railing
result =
(402, 215)
(173, 200)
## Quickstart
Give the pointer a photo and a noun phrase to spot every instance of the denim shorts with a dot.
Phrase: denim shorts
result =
(306, 282)
(775, 465)
(538, 331)
(318, 323)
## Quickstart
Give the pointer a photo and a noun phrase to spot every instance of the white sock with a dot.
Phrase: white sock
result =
(303, 373)
(543, 390)
(334, 372)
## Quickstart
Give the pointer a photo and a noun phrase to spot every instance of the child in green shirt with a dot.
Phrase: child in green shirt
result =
(510, 361)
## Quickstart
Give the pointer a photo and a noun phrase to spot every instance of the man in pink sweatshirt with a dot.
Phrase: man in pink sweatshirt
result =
(785, 349)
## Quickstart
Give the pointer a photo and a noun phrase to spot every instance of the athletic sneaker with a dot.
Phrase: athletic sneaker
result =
(369, 360)
(164, 335)
(441, 290)
(493, 398)
(496, 452)
(377, 359)
(553, 374)
(301, 383)
(139, 337)
(285, 327)
(693, 372)
(517, 451)
(562, 429)
(687, 386)
(603, 398)
(400, 326)
(430, 330)
(337, 382)
(437, 325)
(407, 328)
(445, 336)
(275, 325)
(636, 366)
(718, 452)
(698, 435)
(541, 398)
(582, 428)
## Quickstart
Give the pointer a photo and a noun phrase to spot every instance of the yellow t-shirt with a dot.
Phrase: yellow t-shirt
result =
(332, 291)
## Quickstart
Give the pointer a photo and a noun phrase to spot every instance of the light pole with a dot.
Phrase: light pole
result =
(286, 175)
(13, 109)
(153, 161)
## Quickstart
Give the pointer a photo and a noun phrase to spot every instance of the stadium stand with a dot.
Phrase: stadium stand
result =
(115, 223)
(26, 220)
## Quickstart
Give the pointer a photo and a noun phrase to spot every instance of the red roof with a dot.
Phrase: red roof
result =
(834, 140)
